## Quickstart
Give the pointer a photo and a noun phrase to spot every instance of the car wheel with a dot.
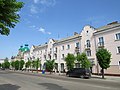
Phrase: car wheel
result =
(69, 75)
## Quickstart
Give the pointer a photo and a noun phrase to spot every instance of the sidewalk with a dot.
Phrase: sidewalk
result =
(109, 78)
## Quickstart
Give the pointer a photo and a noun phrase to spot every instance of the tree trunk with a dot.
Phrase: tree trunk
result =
(102, 73)
(37, 70)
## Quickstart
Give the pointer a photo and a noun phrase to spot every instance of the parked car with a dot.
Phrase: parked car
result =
(79, 72)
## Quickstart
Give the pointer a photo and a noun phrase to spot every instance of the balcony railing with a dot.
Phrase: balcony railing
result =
(77, 49)
(87, 48)
(101, 45)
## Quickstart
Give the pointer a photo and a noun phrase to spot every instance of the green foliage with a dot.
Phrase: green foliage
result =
(21, 64)
(103, 57)
(8, 15)
(79, 58)
(36, 64)
(6, 64)
(17, 65)
(70, 61)
(28, 64)
(3, 65)
(33, 64)
(50, 65)
(13, 64)
(0, 65)
(83, 60)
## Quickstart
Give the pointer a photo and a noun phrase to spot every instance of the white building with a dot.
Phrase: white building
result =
(88, 41)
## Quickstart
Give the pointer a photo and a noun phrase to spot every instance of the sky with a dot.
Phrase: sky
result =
(44, 19)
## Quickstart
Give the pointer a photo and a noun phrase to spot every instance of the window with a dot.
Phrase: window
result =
(118, 49)
(101, 41)
(55, 56)
(62, 47)
(41, 52)
(68, 46)
(63, 56)
(77, 45)
(56, 49)
(88, 43)
(50, 50)
(117, 36)
(45, 57)
(88, 52)
(50, 57)
(119, 63)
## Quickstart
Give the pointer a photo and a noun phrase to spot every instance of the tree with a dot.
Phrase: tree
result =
(36, 64)
(28, 64)
(33, 64)
(3, 65)
(0, 65)
(9, 15)
(82, 58)
(17, 65)
(13, 64)
(50, 65)
(21, 62)
(70, 61)
(103, 57)
(6, 63)
(79, 58)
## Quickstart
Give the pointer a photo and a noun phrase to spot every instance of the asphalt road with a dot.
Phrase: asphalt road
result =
(17, 81)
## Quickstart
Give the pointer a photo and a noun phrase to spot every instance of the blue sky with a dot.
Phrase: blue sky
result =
(44, 19)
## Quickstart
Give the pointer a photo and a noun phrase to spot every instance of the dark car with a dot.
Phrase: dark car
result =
(79, 72)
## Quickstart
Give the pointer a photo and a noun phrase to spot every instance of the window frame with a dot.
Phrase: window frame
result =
(68, 46)
(118, 50)
(88, 54)
(63, 47)
(117, 36)
(101, 41)
(88, 45)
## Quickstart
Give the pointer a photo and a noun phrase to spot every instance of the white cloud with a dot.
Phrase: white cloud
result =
(18, 12)
(39, 6)
(36, 1)
(49, 33)
(48, 2)
(33, 9)
(32, 26)
(45, 2)
(43, 31)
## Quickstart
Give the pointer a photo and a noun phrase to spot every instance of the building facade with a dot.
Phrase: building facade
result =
(88, 41)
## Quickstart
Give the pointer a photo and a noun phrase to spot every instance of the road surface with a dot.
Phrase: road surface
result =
(17, 81)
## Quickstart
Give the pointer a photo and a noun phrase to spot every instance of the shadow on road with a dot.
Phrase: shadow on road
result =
(51, 86)
(9, 87)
